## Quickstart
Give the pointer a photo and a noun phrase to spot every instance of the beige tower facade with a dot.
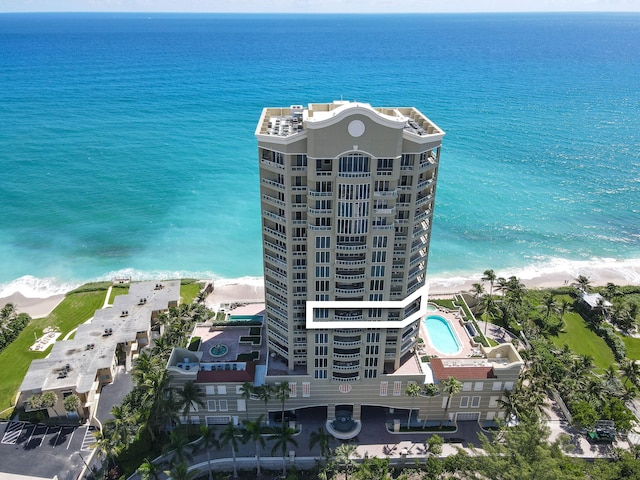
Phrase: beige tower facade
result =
(347, 195)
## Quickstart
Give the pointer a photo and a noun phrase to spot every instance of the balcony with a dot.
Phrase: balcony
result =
(383, 227)
(384, 211)
(275, 247)
(320, 211)
(272, 164)
(341, 247)
(275, 233)
(340, 378)
(354, 174)
(350, 291)
(345, 317)
(425, 183)
(350, 262)
(273, 200)
(422, 200)
(273, 183)
(274, 216)
(385, 194)
(272, 273)
(314, 193)
(318, 228)
(350, 276)
(346, 341)
(346, 366)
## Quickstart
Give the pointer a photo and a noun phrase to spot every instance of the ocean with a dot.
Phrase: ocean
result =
(127, 140)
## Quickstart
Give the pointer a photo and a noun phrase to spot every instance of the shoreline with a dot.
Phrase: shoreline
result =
(251, 289)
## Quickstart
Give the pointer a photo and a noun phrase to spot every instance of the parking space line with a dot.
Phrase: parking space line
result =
(57, 437)
(12, 433)
(71, 437)
(44, 435)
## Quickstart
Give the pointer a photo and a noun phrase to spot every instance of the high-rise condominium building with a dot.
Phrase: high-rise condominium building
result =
(347, 194)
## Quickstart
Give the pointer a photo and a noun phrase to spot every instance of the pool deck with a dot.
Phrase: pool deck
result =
(467, 349)
(229, 336)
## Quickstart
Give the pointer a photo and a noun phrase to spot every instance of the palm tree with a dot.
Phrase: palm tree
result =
(50, 400)
(549, 303)
(413, 390)
(450, 386)
(106, 444)
(321, 438)
(565, 306)
(35, 402)
(345, 454)
(489, 276)
(281, 391)
(209, 440)
(145, 363)
(253, 432)
(582, 283)
(190, 396)
(283, 437)
(179, 446)
(264, 393)
(246, 390)
(477, 289)
(429, 390)
(123, 423)
(489, 309)
(631, 371)
(229, 436)
(180, 471)
(149, 470)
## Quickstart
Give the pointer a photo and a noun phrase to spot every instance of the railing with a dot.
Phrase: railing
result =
(273, 200)
(350, 291)
(354, 174)
(347, 379)
(351, 248)
(344, 318)
(352, 276)
(346, 368)
(351, 262)
(273, 183)
(385, 193)
(274, 216)
(347, 344)
(314, 193)
(384, 211)
(319, 227)
(272, 164)
(275, 233)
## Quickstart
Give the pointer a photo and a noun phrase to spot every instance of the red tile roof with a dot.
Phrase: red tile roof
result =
(228, 376)
(441, 372)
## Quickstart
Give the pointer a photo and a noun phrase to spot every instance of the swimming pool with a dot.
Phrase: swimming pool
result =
(431, 307)
(441, 335)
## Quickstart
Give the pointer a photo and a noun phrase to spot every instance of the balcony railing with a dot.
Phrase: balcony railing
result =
(350, 291)
(314, 193)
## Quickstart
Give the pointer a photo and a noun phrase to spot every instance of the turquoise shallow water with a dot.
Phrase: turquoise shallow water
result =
(126, 141)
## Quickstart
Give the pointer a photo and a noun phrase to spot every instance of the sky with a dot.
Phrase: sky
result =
(320, 6)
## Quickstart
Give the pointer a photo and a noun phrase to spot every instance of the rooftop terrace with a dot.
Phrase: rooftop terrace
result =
(285, 122)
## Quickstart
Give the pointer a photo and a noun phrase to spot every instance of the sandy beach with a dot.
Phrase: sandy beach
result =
(251, 289)
(35, 307)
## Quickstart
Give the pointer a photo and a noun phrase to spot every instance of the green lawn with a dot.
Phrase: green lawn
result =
(75, 309)
(583, 341)
(118, 290)
(189, 289)
(633, 347)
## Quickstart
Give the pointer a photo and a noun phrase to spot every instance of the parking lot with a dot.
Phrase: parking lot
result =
(44, 451)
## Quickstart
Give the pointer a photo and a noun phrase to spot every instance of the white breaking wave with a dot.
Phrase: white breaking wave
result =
(34, 287)
(551, 271)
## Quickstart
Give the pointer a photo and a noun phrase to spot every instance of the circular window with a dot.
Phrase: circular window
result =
(356, 128)
(344, 388)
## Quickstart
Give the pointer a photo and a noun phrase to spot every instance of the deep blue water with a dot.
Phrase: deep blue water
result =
(126, 140)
